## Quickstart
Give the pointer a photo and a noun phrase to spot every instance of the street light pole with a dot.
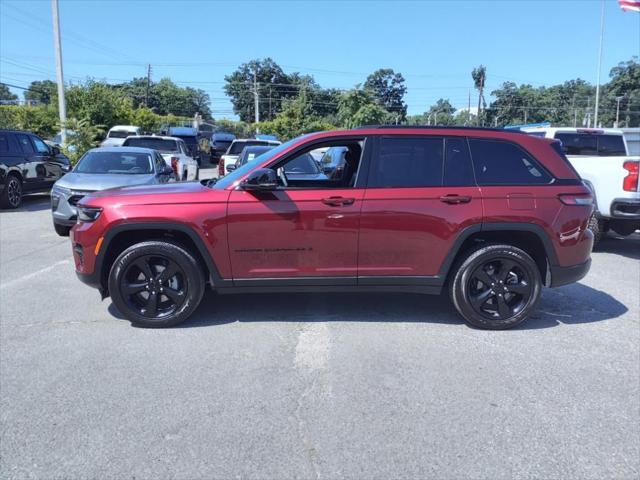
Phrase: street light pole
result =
(595, 115)
(62, 107)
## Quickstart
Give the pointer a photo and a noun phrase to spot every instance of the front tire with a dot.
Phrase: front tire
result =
(496, 287)
(156, 284)
(12, 194)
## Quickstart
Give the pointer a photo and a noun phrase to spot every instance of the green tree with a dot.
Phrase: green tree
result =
(441, 113)
(297, 117)
(41, 91)
(86, 135)
(388, 89)
(624, 84)
(479, 75)
(99, 104)
(6, 97)
(271, 83)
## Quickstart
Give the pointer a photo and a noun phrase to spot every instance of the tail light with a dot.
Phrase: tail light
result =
(221, 168)
(630, 182)
(576, 198)
(174, 164)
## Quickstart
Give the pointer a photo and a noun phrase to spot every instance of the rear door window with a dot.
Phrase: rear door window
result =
(458, 171)
(408, 162)
(499, 162)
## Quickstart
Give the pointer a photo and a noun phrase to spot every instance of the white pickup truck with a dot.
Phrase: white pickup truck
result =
(600, 156)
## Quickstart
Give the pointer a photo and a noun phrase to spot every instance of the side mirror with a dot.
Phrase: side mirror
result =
(232, 167)
(55, 150)
(261, 179)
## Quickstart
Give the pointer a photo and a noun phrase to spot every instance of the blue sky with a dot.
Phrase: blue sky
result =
(434, 44)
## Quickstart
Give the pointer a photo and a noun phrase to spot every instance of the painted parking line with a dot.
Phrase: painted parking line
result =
(35, 274)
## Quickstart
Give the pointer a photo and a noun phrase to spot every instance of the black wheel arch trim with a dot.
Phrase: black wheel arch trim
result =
(98, 276)
(497, 227)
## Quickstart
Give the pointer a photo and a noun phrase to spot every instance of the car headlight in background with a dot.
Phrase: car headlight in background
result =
(88, 214)
(56, 193)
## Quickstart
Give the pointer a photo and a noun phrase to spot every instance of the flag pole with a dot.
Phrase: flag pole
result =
(595, 115)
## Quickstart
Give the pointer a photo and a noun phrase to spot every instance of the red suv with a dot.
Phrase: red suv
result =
(490, 215)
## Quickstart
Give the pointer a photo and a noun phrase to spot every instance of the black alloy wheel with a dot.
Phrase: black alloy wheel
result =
(499, 289)
(154, 286)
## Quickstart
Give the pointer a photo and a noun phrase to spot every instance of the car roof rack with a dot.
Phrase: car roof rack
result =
(435, 127)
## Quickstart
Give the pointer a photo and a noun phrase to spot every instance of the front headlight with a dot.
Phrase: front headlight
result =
(59, 191)
(88, 214)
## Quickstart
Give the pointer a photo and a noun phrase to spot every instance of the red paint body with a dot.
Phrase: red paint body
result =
(391, 232)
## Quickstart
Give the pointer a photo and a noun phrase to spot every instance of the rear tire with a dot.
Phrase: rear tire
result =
(496, 287)
(61, 230)
(12, 194)
(597, 228)
(156, 284)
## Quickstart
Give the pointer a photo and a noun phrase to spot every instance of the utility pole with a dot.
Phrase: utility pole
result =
(146, 96)
(62, 107)
(595, 115)
(256, 101)
(618, 111)
(575, 111)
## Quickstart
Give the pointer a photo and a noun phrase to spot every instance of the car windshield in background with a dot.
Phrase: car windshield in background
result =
(237, 147)
(250, 153)
(160, 144)
(591, 144)
(120, 134)
(115, 163)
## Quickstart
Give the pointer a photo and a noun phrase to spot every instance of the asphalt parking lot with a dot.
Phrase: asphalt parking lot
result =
(312, 386)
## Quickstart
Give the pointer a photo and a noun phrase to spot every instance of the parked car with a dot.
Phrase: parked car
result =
(220, 142)
(117, 134)
(101, 169)
(174, 152)
(601, 158)
(490, 215)
(248, 154)
(234, 150)
(27, 165)
(190, 137)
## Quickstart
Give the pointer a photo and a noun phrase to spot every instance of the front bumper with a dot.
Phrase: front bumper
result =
(565, 275)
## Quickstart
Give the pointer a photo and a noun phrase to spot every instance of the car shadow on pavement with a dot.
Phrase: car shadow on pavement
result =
(34, 202)
(626, 246)
(569, 305)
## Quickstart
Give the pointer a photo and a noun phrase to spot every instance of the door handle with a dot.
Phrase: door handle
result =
(338, 201)
(454, 199)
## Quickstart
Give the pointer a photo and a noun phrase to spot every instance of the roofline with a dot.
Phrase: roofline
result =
(434, 127)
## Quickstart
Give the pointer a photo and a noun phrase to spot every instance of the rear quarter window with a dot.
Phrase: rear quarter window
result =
(498, 162)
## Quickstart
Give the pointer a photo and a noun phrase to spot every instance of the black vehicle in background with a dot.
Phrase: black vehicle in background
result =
(190, 136)
(220, 142)
(248, 154)
(27, 165)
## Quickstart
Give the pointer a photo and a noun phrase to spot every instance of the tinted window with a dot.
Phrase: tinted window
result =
(120, 134)
(160, 144)
(611, 145)
(302, 165)
(4, 143)
(115, 163)
(457, 163)
(408, 162)
(591, 144)
(504, 163)
(41, 147)
(188, 139)
(25, 143)
(236, 147)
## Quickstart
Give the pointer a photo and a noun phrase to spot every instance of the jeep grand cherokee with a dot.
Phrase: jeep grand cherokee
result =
(490, 215)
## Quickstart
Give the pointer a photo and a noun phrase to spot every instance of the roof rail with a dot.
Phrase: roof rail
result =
(435, 127)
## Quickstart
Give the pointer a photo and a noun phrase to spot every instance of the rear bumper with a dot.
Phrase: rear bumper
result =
(625, 209)
(565, 275)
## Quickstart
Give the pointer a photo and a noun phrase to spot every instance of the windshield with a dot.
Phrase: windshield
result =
(120, 134)
(236, 147)
(129, 163)
(160, 144)
(591, 144)
(240, 172)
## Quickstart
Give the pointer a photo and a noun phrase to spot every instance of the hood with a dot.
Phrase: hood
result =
(161, 189)
(112, 142)
(98, 181)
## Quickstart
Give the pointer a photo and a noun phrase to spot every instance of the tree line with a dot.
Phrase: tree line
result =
(290, 104)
